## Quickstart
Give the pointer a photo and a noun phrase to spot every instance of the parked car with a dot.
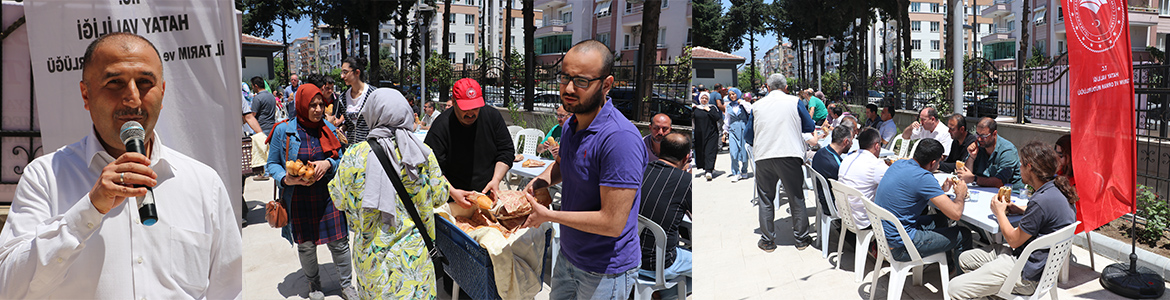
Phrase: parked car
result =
(875, 97)
(679, 110)
(985, 107)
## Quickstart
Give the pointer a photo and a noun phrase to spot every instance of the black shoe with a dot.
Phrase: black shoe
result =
(803, 243)
(766, 245)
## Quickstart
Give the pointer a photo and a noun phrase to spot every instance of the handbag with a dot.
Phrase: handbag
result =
(274, 212)
(406, 201)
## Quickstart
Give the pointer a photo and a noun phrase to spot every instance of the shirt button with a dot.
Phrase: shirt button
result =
(60, 260)
(90, 225)
(140, 260)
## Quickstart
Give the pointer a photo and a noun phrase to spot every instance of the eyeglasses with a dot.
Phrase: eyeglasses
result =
(344, 71)
(563, 116)
(983, 136)
(580, 82)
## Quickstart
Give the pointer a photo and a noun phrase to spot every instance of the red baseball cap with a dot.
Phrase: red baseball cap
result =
(468, 95)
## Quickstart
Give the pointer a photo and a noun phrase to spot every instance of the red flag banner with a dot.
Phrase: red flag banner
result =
(1102, 105)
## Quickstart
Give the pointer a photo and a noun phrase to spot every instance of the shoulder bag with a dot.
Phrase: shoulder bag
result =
(402, 195)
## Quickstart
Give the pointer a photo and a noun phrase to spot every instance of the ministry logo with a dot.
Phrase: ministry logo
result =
(1097, 24)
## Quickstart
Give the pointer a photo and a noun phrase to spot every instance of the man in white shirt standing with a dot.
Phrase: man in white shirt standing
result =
(74, 231)
(863, 170)
(779, 154)
(928, 126)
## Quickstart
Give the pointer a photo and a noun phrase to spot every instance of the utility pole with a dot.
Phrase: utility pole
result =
(957, 56)
(507, 53)
(530, 55)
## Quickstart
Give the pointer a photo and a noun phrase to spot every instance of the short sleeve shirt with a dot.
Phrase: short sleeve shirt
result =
(1048, 211)
(905, 191)
(818, 110)
(608, 153)
(1003, 163)
(246, 107)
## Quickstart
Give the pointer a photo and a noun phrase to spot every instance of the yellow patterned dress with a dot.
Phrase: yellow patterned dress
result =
(391, 261)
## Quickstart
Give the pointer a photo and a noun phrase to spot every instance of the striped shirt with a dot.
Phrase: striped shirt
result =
(666, 197)
(356, 129)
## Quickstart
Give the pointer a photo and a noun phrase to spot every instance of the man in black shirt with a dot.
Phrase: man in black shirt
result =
(960, 139)
(472, 145)
(666, 196)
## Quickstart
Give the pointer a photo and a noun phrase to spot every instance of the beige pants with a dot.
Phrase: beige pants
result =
(259, 150)
(984, 274)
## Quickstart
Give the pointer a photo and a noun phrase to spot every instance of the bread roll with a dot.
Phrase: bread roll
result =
(483, 201)
(1004, 194)
(960, 165)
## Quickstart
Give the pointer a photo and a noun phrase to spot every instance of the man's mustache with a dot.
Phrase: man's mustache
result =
(131, 112)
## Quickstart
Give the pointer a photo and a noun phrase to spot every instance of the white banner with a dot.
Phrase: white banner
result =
(199, 44)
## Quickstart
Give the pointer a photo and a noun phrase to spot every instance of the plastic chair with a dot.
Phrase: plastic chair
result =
(512, 130)
(1059, 244)
(645, 285)
(842, 193)
(824, 222)
(900, 269)
(527, 139)
(906, 148)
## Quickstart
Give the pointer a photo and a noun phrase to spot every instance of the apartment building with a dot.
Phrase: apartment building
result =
(470, 31)
(779, 59)
(302, 57)
(1149, 24)
(928, 34)
(616, 23)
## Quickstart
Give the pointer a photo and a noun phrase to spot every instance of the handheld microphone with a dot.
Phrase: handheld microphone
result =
(133, 135)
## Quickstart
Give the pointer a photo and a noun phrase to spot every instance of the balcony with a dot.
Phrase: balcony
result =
(543, 4)
(552, 27)
(999, 35)
(634, 9)
(998, 9)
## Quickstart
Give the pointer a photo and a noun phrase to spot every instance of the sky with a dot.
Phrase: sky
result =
(763, 42)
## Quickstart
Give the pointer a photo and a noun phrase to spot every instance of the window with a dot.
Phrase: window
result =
(452, 20)
(468, 19)
(915, 7)
(916, 26)
(705, 73)
(936, 64)
(916, 45)
(664, 3)
(662, 36)
(451, 39)
(1060, 46)
(567, 16)
(689, 33)
(934, 8)
(469, 38)
(933, 26)
(468, 58)
(603, 38)
(451, 57)
(626, 41)
(385, 36)
(934, 45)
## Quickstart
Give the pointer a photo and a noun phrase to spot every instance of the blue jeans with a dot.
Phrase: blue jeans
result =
(933, 238)
(680, 267)
(570, 282)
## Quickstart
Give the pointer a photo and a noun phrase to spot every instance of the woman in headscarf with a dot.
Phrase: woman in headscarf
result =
(737, 124)
(706, 130)
(391, 257)
(312, 218)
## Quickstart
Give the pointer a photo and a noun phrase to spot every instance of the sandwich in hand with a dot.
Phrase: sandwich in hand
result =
(960, 165)
(1004, 194)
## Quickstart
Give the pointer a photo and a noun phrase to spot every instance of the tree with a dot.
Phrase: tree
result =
(744, 19)
(260, 16)
(707, 18)
(367, 16)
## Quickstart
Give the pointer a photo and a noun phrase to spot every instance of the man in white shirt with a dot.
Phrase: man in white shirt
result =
(887, 128)
(778, 150)
(74, 231)
(863, 170)
(929, 126)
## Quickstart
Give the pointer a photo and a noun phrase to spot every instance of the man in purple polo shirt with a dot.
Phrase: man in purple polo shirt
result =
(601, 163)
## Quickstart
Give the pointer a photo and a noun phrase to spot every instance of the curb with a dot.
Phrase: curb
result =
(1119, 252)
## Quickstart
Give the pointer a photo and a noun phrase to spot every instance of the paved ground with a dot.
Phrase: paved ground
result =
(728, 265)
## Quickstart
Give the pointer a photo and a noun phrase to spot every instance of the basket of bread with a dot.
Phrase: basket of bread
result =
(488, 254)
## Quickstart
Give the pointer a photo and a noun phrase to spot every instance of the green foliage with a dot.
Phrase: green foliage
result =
(438, 71)
(917, 80)
(278, 67)
(1156, 53)
(1156, 211)
(1038, 59)
(707, 18)
(744, 79)
(516, 112)
(336, 74)
(262, 17)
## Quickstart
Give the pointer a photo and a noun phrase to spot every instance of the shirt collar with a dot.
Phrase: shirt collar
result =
(606, 111)
(92, 149)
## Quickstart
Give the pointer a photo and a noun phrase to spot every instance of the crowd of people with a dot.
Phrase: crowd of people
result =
(791, 130)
